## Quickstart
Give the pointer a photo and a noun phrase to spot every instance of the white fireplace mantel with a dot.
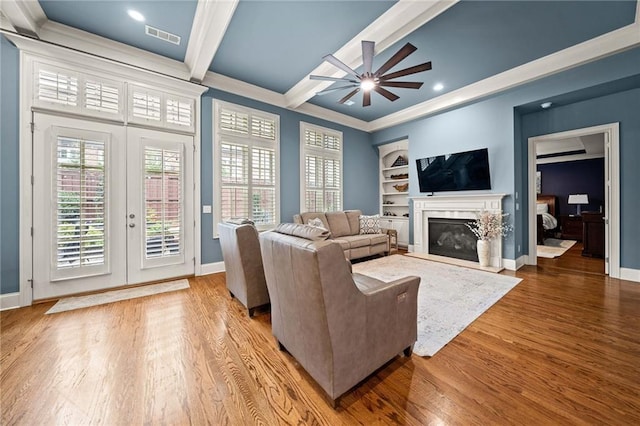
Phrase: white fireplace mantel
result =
(454, 207)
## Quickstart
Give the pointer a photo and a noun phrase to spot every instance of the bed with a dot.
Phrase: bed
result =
(546, 216)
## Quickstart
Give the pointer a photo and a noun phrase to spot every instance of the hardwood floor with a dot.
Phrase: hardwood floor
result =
(573, 260)
(560, 348)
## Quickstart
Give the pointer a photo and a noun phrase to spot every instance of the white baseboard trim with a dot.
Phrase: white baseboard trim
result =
(514, 265)
(9, 301)
(410, 248)
(211, 268)
(630, 274)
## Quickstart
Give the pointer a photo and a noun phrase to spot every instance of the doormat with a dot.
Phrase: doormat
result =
(79, 302)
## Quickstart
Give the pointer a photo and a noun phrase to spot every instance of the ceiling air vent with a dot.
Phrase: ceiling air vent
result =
(162, 35)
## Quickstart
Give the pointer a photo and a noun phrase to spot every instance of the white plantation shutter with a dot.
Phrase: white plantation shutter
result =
(163, 202)
(80, 203)
(146, 105)
(247, 152)
(322, 174)
(57, 86)
(100, 96)
(179, 112)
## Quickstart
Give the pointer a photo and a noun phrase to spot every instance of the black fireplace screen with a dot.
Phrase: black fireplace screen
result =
(452, 238)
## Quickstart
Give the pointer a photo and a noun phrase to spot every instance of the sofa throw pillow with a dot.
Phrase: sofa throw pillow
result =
(316, 222)
(370, 224)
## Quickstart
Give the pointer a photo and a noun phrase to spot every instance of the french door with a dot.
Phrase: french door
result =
(112, 206)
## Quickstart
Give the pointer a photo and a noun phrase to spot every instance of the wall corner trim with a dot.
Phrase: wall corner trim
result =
(513, 265)
(211, 268)
(9, 301)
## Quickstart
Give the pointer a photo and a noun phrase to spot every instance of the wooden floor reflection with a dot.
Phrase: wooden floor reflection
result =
(560, 348)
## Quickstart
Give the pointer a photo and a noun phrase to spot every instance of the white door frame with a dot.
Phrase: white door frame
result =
(612, 208)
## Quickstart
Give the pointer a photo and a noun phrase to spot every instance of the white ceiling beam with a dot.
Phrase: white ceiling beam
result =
(391, 27)
(25, 16)
(209, 26)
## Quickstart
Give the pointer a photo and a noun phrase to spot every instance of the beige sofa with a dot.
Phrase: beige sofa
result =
(344, 227)
(339, 326)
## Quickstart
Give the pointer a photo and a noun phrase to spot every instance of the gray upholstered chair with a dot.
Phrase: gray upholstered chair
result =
(340, 326)
(243, 265)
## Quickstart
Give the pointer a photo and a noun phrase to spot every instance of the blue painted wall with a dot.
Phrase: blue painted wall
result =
(623, 107)
(574, 177)
(494, 123)
(9, 212)
(360, 165)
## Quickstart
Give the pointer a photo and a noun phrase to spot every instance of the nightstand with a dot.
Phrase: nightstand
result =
(571, 227)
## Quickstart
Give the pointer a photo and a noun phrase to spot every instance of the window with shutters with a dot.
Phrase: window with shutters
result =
(80, 214)
(321, 171)
(246, 161)
(162, 202)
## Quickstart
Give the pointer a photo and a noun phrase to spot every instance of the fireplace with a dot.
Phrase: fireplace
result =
(452, 238)
(455, 210)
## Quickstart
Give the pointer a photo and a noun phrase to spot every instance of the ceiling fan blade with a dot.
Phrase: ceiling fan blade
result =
(407, 50)
(403, 84)
(387, 94)
(339, 64)
(367, 55)
(323, 78)
(346, 98)
(331, 90)
(407, 71)
(366, 98)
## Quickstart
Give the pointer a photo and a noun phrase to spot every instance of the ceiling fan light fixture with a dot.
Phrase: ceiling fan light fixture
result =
(367, 84)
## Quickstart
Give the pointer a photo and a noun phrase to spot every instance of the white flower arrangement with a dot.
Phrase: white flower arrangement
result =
(488, 226)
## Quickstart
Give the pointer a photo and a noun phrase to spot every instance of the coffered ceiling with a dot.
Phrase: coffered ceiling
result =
(267, 49)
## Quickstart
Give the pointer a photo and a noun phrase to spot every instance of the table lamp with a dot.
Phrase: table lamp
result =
(578, 199)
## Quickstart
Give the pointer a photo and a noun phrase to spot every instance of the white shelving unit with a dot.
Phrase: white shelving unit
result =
(394, 204)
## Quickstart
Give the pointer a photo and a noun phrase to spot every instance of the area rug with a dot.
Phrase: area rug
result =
(449, 297)
(553, 248)
(79, 302)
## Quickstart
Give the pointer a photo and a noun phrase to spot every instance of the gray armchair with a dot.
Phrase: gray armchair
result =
(340, 326)
(243, 265)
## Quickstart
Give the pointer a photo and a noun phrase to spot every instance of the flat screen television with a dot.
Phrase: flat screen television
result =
(461, 171)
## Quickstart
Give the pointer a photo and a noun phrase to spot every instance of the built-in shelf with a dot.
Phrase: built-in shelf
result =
(395, 204)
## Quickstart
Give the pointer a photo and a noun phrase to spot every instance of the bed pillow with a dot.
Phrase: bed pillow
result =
(542, 208)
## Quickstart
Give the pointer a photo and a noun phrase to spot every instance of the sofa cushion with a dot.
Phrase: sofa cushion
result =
(353, 216)
(370, 224)
(378, 239)
(345, 244)
(303, 231)
(356, 241)
(338, 224)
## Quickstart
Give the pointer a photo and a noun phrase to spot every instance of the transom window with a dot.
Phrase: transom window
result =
(247, 147)
(321, 171)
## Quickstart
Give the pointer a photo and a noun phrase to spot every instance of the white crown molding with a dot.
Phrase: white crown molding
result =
(391, 27)
(591, 50)
(240, 88)
(95, 45)
(67, 58)
(26, 17)
(209, 26)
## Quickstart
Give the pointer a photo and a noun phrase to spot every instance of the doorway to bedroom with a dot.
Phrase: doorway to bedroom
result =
(573, 199)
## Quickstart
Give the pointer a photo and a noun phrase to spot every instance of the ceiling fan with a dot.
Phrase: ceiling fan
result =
(368, 81)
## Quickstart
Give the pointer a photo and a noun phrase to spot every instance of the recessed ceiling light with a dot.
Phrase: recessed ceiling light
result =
(136, 15)
(545, 105)
(438, 87)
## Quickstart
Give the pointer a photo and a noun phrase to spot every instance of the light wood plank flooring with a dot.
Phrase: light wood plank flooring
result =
(560, 348)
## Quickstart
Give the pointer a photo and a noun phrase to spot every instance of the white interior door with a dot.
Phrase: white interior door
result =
(112, 206)
(160, 219)
(78, 206)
